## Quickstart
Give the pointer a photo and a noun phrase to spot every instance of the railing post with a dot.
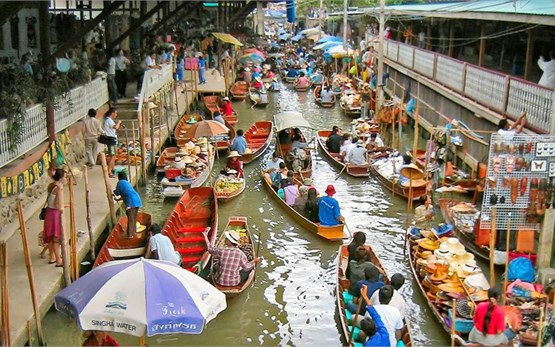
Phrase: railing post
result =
(434, 71)
(413, 57)
(463, 92)
(506, 94)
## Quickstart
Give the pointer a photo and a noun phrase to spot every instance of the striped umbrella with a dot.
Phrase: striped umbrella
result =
(252, 57)
(255, 51)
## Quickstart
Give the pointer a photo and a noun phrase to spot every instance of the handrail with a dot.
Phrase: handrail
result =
(505, 94)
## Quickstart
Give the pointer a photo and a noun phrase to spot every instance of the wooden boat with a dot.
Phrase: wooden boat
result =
(240, 90)
(418, 189)
(259, 137)
(351, 170)
(166, 157)
(254, 97)
(119, 247)
(306, 172)
(240, 225)
(195, 211)
(222, 143)
(318, 100)
(300, 89)
(353, 112)
(330, 233)
(221, 192)
(291, 79)
(181, 128)
(342, 293)
(211, 103)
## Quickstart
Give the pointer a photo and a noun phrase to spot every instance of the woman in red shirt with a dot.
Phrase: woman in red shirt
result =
(227, 109)
(489, 323)
(99, 338)
(233, 163)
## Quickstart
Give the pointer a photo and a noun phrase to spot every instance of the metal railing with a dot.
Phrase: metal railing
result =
(505, 94)
(69, 110)
(153, 80)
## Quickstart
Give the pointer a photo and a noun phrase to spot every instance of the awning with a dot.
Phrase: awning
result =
(227, 38)
(297, 37)
(290, 119)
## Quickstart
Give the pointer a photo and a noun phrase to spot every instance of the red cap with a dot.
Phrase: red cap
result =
(330, 190)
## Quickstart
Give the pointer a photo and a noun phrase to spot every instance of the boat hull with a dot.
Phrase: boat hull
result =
(258, 136)
(351, 170)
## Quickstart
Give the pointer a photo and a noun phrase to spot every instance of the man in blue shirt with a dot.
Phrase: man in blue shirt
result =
(132, 202)
(201, 70)
(374, 328)
(239, 143)
(372, 283)
(329, 209)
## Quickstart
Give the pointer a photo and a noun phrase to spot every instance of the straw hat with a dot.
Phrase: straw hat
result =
(247, 69)
(258, 78)
(226, 98)
(189, 145)
(140, 227)
(248, 151)
(432, 259)
(177, 159)
(231, 171)
(412, 171)
(232, 236)
(197, 149)
(234, 154)
(451, 288)
(181, 151)
(478, 281)
(440, 274)
(442, 252)
(454, 245)
(187, 160)
(462, 257)
(204, 149)
(266, 67)
(428, 244)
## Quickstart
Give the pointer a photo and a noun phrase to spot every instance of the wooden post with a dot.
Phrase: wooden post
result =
(30, 273)
(451, 39)
(135, 150)
(128, 151)
(482, 52)
(88, 206)
(108, 187)
(142, 135)
(507, 245)
(492, 234)
(529, 54)
(63, 241)
(162, 108)
(429, 36)
(4, 287)
(415, 141)
(152, 160)
(74, 262)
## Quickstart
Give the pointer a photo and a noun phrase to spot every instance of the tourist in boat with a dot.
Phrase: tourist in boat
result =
(407, 160)
(98, 338)
(424, 214)
(227, 109)
(311, 207)
(161, 247)
(110, 128)
(508, 132)
(329, 213)
(334, 142)
(132, 202)
(489, 323)
(239, 143)
(51, 235)
(372, 281)
(300, 201)
(359, 239)
(346, 145)
(233, 164)
(374, 142)
(218, 117)
(374, 329)
(272, 164)
(292, 72)
(284, 137)
(298, 142)
(291, 191)
(233, 266)
(327, 95)
(357, 155)
(358, 266)
(302, 82)
(91, 130)
(397, 300)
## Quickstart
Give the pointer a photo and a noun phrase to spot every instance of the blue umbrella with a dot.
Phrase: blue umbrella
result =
(327, 45)
(330, 38)
(141, 297)
(297, 37)
(284, 36)
(255, 58)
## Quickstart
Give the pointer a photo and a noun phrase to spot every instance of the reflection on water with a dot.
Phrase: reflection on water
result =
(292, 301)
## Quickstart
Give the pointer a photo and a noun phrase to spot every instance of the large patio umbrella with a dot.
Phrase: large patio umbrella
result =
(255, 58)
(339, 52)
(327, 45)
(207, 128)
(330, 38)
(141, 297)
(255, 51)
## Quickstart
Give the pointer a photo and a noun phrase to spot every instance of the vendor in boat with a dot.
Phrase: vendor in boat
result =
(328, 209)
(233, 265)
(303, 81)
(233, 164)
(357, 155)
(262, 97)
(489, 323)
(327, 95)
(374, 142)
(257, 83)
(333, 143)
(132, 202)
(317, 77)
(365, 95)
(227, 109)
(98, 338)
(274, 85)
(272, 164)
(239, 143)
(407, 160)
(161, 247)
(424, 214)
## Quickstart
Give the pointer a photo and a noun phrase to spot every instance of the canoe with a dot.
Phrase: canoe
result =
(119, 247)
(330, 233)
(343, 297)
(291, 79)
(307, 171)
(351, 170)
(211, 103)
(182, 127)
(353, 112)
(418, 190)
(223, 142)
(195, 211)
(240, 90)
(223, 191)
(319, 101)
(258, 136)
(254, 96)
(240, 225)
(166, 158)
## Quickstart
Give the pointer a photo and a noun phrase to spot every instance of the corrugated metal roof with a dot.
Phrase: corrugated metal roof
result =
(530, 7)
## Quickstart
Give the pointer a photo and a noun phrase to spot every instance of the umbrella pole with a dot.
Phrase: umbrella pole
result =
(74, 262)
(29, 266)
(88, 206)
(492, 233)
(6, 340)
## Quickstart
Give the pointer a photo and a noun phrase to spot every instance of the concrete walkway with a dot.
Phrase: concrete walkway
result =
(48, 278)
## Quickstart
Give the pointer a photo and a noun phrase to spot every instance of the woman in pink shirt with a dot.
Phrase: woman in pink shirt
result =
(302, 81)
(291, 191)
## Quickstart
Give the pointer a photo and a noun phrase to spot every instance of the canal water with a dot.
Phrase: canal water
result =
(292, 301)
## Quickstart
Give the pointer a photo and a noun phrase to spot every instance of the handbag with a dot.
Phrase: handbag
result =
(107, 140)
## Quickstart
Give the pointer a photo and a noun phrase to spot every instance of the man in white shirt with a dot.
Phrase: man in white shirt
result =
(160, 246)
(507, 131)
(357, 155)
(112, 86)
(348, 145)
(548, 78)
(374, 141)
(273, 163)
(397, 299)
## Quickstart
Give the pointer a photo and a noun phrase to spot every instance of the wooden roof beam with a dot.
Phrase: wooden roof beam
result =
(242, 11)
(170, 19)
(137, 24)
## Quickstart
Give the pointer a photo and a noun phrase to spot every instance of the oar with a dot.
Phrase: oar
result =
(355, 321)
(340, 172)
(349, 230)
(258, 244)
(453, 319)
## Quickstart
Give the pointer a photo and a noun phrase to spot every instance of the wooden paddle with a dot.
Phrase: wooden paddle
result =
(453, 319)
(355, 321)
(340, 172)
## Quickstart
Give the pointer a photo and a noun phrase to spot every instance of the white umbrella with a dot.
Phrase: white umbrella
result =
(290, 119)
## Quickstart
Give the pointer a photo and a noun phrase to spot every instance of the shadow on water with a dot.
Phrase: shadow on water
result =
(292, 301)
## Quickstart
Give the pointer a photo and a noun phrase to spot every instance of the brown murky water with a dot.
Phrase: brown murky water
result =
(292, 301)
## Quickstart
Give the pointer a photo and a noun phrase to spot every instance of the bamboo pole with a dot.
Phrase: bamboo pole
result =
(507, 244)
(159, 147)
(152, 148)
(447, 149)
(128, 151)
(108, 188)
(142, 138)
(6, 338)
(88, 207)
(30, 273)
(135, 153)
(30, 334)
(415, 141)
(492, 233)
(74, 262)
(64, 241)
(453, 319)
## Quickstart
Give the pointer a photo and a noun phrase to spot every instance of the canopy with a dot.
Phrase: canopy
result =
(327, 45)
(255, 58)
(290, 119)
(275, 55)
(338, 52)
(141, 297)
(330, 38)
(227, 38)
(310, 31)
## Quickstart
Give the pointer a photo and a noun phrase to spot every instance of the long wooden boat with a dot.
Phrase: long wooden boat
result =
(254, 96)
(351, 170)
(352, 112)
(240, 90)
(330, 233)
(306, 172)
(291, 79)
(119, 247)
(258, 136)
(318, 99)
(241, 226)
(211, 103)
(222, 143)
(342, 294)
(181, 128)
(166, 158)
(195, 211)
(223, 191)
(417, 191)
